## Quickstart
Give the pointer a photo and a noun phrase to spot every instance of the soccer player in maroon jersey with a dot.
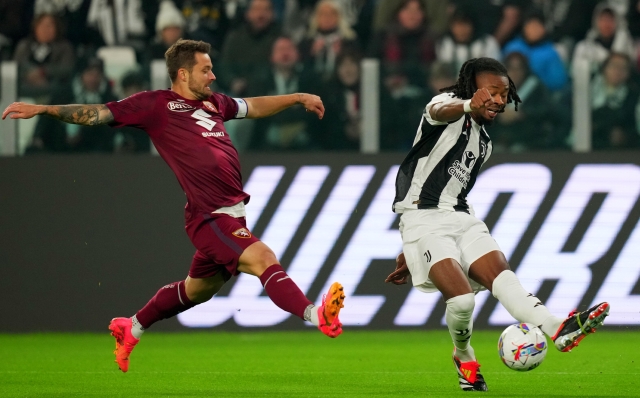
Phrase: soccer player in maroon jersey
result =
(186, 125)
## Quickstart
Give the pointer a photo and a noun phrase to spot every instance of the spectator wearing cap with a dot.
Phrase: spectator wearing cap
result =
(44, 58)
(169, 28)
(544, 60)
(89, 86)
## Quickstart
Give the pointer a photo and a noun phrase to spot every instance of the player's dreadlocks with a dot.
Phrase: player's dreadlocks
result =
(465, 86)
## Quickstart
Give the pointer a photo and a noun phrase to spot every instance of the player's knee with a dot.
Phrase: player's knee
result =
(462, 305)
(503, 283)
(203, 290)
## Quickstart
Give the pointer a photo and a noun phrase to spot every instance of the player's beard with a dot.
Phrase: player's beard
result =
(198, 91)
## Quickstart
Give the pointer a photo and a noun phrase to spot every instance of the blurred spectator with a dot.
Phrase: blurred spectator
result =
(567, 21)
(405, 48)
(328, 34)
(441, 75)
(606, 35)
(500, 18)
(341, 126)
(361, 19)
(286, 130)
(544, 60)
(463, 42)
(120, 23)
(89, 86)
(534, 125)
(247, 49)
(14, 24)
(44, 58)
(633, 19)
(73, 16)
(614, 99)
(169, 28)
(206, 20)
(295, 19)
(129, 139)
(436, 14)
(399, 115)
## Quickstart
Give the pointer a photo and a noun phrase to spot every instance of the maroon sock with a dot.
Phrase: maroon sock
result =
(283, 291)
(169, 301)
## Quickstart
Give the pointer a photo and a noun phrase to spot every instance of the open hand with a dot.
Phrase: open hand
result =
(401, 274)
(20, 110)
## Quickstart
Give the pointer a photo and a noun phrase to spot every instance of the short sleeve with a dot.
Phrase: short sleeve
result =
(232, 108)
(134, 111)
(438, 99)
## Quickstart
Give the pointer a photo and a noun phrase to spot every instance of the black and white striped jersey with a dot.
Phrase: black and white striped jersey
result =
(443, 163)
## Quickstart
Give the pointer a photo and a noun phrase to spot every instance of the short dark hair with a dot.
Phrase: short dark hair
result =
(182, 54)
(465, 86)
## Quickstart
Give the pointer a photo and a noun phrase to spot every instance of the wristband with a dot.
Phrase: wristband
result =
(467, 106)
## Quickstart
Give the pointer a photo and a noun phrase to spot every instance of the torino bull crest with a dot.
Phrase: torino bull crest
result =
(570, 232)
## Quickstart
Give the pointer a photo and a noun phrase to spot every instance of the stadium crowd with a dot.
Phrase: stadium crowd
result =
(266, 47)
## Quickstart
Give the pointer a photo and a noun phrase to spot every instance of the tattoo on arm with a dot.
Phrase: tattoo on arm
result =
(86, 115)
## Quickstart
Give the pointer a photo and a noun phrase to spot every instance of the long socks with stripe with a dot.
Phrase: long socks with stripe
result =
(169, 301)
(284, 292)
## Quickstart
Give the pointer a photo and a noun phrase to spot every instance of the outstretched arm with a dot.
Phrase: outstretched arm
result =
(450, 111)
(259, 107)
(86, 115)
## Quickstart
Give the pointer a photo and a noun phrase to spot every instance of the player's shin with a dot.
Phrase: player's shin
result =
(168, 302)
(459, 317)
(522, 305)
(283, 291)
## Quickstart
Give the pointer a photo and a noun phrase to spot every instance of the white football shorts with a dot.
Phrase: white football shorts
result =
(431, 235)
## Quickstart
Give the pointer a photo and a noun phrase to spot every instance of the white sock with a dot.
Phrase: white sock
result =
(136, 328)
(459, 317)
(311, 314)
(523, 306)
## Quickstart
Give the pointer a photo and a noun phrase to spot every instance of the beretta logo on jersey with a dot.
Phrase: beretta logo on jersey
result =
(178, 106)
(209, 106)
(241, 233)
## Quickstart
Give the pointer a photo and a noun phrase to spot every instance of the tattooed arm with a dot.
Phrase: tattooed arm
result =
(86, 115)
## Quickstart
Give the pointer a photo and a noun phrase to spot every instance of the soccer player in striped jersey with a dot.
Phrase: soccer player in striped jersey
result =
(186, 125)
(445, 247)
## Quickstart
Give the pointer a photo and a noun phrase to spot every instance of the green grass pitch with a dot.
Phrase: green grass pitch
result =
(305, 364)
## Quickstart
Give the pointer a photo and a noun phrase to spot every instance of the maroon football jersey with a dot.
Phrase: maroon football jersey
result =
(190, 136)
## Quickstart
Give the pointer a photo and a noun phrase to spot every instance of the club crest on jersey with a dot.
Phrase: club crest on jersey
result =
(209, 106)
(483, 149)
(241, 233)
(178, 106)
(469, 159)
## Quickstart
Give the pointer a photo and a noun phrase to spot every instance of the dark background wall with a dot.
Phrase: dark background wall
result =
(85, 239)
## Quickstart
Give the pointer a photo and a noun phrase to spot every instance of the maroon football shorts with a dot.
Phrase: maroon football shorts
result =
(220, 240)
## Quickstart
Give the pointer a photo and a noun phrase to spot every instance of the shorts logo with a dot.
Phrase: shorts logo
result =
(178, 106)
(427, 254)
(210, 106)
(241, 233)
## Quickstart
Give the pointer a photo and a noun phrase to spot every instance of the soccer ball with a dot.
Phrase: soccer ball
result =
(522, 347)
